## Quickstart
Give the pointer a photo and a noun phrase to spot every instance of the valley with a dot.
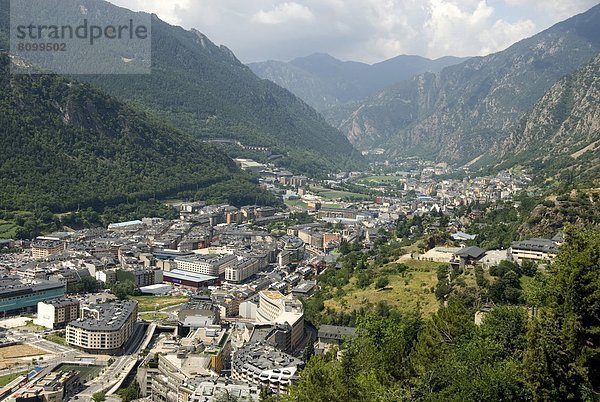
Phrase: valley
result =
(409, 213)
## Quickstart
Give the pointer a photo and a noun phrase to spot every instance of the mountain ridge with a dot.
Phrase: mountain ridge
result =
(561, 134)
(323, 81)
(204, 89)
(458, 114)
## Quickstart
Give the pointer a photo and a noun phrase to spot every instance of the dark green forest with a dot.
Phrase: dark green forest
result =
(67, 146)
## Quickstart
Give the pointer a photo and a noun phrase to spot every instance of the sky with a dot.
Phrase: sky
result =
(362, 30)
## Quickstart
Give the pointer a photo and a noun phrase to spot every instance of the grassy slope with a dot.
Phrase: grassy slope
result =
(8, 378)
(409, 291)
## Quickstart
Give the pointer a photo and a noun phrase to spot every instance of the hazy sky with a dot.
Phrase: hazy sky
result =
(362, 30)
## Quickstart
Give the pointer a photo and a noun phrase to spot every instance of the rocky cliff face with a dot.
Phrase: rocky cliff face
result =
(562, 131)
(462, 112)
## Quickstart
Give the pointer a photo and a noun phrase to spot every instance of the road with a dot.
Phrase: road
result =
(56, 353)
(117, 371)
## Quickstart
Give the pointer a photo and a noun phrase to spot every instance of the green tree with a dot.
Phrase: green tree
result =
(562, 360)
(363, 280)
(506, 326)
(130, 393)
(449, 327)
(124, 289)
(321, 381)
(99, 397)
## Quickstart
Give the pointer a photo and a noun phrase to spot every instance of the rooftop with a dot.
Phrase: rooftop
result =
(273, 295)
(61, 302)
(12, 286)
(208, 258)
(536, 244)
(260, 358)
(111, 316)
(188, 276)
(471, 252)
(304, 287)
(336, 332)
(124, 224)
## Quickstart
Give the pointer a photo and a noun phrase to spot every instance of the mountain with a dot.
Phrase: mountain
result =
(561, 134)
(65, 145)
(323, 81)
(202, 88)
(465, 110)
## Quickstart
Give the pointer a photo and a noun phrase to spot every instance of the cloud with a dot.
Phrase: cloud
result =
(472, 30)
(363, 30)
(168, 11)
(503, 34)
(284, 13)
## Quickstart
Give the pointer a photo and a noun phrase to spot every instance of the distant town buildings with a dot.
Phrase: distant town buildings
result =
(244, 271)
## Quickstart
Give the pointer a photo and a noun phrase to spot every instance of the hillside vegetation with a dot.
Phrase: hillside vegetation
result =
(536, 345)
(65, 146)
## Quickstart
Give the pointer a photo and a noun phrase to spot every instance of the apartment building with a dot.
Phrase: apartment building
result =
(241, 270)
(56, 314)
(213, 265)
(17, 296)
(264, 366)
(103, 328)
(533, 250)
(274, 307)
(45, 248)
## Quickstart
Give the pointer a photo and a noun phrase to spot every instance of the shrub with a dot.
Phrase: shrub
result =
(382, 282)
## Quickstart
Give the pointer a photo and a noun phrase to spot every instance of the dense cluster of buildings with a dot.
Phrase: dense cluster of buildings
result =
(53, 387)
(243, 328)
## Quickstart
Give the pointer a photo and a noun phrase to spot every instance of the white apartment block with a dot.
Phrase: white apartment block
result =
(104, 328)
(213, 265)
(276, 308)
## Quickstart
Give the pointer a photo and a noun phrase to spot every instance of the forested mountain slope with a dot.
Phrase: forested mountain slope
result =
(65, 145)
(561, 135)
(204, 90)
